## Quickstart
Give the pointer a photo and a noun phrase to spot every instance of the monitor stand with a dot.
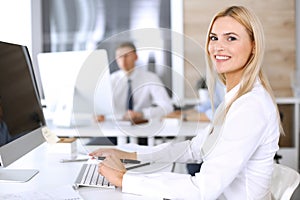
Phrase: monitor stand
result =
(17, 175)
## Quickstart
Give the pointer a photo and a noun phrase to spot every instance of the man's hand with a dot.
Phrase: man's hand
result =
(132, 115)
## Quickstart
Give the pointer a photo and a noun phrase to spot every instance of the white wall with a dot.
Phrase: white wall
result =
(15, 22)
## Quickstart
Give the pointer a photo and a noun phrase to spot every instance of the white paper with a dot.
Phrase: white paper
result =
(49, 136)
(59, 193)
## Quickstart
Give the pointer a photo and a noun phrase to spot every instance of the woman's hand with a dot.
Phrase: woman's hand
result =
(113, 152)
(112, 169)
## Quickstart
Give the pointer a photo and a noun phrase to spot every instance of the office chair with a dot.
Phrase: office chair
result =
(284, 182)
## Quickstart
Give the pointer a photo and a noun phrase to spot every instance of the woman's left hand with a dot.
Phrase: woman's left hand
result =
(112, 169)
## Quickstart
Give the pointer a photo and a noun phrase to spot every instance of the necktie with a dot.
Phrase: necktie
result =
(129, 96)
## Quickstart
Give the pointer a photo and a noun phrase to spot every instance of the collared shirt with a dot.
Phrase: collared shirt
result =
(149, 93)
(238, 165)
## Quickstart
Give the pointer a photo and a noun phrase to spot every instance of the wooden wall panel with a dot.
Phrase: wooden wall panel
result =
(278, 19)
(287, 114)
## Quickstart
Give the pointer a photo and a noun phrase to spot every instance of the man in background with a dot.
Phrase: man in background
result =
(138, 95)
(147, 98)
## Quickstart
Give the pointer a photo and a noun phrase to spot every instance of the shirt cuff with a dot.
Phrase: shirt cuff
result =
(132, 183)
(161, 185)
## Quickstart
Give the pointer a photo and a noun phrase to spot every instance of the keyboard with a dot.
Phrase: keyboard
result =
(89, 176)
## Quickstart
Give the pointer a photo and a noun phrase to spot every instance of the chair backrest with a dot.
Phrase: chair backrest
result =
(284, 182)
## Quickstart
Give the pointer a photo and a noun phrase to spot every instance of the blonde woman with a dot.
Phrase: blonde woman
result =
(238, 149)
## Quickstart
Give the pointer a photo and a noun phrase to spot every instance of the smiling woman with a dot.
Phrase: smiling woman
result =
(246, 120)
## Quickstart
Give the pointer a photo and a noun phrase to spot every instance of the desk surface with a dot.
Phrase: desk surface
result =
(53, 174)
(167, 127)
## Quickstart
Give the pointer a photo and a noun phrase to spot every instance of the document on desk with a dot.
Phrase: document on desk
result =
(60, 193)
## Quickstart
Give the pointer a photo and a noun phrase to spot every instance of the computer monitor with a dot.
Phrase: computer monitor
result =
(76, 86)
(21, 114)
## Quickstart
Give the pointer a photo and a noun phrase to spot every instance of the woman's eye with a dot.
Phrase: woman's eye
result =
(213, 38)
(231, 38)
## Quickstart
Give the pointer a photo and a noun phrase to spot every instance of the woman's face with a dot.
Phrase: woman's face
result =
(229, 47)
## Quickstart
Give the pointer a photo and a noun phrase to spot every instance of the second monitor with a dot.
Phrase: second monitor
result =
(76, 86)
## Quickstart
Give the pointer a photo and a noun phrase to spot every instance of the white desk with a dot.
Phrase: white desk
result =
(53, 174)
(170, 127)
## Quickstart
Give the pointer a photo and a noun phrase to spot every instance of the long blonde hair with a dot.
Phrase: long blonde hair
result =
(253, 68)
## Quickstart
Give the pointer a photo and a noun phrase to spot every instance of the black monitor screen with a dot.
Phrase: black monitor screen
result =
(20, 107)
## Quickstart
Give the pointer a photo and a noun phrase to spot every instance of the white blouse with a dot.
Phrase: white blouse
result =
(237, 157)
(149, 93)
